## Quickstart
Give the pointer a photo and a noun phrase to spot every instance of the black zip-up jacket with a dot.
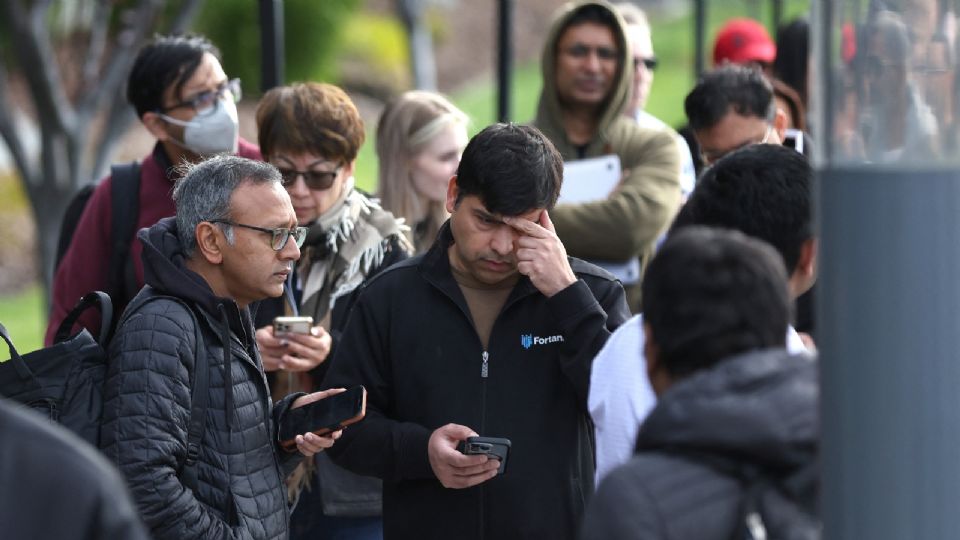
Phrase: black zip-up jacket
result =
(147, 401)
(411, 342)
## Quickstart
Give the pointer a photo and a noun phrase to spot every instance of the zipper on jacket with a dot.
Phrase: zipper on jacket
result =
(485, 367)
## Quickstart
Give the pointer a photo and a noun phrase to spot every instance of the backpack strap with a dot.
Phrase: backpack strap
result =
(125, 211)
(199, 392)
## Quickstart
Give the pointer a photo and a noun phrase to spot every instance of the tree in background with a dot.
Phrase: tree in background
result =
(72, 57)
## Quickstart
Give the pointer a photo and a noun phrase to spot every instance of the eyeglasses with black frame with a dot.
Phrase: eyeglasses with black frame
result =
(279, 236)
(315, 180)
(203, 103)
(649, 63)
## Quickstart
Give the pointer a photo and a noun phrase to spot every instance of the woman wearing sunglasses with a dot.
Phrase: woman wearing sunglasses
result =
(312, 132)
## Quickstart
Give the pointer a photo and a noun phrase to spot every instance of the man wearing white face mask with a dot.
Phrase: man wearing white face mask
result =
(185, 100)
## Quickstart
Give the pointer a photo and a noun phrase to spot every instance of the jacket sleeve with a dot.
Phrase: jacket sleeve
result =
(627, 222)
(586, 318)
(147, 398)
(84, 267)
(377, 445)
(622, 509)
(288, 460)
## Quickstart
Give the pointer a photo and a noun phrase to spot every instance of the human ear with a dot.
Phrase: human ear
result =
(210, 242)
(452, 192)
(780, 123)
(156, 125)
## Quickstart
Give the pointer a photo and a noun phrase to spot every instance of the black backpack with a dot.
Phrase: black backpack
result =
(124, 211)
(64, 382)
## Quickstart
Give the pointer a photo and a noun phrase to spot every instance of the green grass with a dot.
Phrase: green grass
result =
(22, 315)
(674, 44)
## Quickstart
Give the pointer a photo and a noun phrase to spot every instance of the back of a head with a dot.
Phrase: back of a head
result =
(166, 61)
(793, 56)
(512, 168)
(763, 190)
(204, 191)
(709, 294)
(743, 89)
(407, 124)
(309, 118)
(743, 41)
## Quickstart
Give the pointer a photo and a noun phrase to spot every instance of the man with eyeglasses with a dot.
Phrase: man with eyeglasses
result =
(587, 81)
(185, 100)
(644, 65)
(732, 107)
(232, 242)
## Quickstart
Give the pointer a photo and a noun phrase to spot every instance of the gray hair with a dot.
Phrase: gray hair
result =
(204, 191)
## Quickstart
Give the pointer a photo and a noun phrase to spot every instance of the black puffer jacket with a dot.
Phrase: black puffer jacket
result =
(147, 400)
(758, 409)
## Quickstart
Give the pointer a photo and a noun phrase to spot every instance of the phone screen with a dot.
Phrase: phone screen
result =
(325, 415)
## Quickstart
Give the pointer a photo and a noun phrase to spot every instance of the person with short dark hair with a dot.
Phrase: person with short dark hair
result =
(232, 242)
(490, 332)
(732, 107)
(312, 132)
(587, 82)
(731, 401)
(764, 191)
(186, 101)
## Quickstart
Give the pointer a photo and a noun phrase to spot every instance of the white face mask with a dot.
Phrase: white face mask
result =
(210, 132)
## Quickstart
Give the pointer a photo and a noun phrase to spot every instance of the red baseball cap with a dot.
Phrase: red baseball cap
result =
(742, 41)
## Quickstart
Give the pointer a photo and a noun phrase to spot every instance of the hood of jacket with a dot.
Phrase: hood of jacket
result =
(165, 269)
(549, 110)
(760, 407)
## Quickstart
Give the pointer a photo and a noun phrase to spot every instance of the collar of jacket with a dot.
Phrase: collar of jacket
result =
(435, 269)
(550, 112)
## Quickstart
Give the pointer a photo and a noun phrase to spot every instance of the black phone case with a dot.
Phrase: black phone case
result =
(494, 447)
(300, 420)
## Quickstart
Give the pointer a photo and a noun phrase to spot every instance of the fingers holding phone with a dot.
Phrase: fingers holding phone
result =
(315, 421)
(293, 344)
(453, 468)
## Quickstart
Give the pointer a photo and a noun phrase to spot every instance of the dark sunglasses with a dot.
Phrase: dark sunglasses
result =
(315, 180)
(650, 63)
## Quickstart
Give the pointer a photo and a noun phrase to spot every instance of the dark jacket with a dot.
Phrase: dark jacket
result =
(411, 342)
(758, 409)
(54, 485)
(147, 401)
(626, 224)
(84, 265)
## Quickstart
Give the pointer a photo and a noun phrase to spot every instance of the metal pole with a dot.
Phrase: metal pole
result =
(777, 15)
(504, 60)
(699, 29)
(887, 317)
(271, 44)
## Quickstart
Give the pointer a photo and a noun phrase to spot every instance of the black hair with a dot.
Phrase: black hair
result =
(764, 191)
(512, 168)
(793, 52)
(166, 61)
(709, 294)
(742, 88)
(591, 13)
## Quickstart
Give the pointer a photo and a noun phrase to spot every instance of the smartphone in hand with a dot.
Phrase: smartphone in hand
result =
(493, 447)
(292, 325)
(323, 416)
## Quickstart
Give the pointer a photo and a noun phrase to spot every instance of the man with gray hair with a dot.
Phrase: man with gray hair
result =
(232, 242)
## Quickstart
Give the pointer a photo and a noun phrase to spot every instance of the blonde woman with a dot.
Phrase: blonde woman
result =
(420, 138)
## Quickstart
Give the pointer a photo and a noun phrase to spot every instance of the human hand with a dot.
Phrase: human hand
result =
(309, 444)
(453, 468)
(541, 256)
(291, 351)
